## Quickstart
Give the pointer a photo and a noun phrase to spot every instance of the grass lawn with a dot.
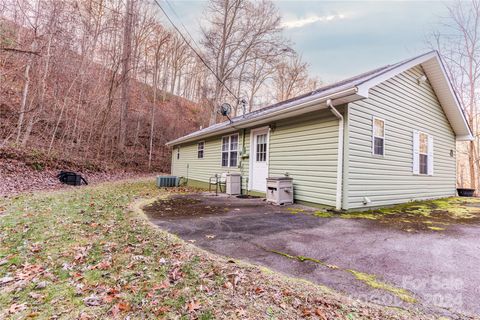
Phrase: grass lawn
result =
(90, 253)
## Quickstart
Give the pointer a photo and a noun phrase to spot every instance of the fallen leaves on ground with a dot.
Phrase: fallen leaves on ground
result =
(80, 254)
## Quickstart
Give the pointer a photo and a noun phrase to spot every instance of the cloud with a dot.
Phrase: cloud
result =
(301, 22)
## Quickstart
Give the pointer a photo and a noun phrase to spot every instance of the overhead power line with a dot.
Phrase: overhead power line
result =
(195, 51)
(170, 5)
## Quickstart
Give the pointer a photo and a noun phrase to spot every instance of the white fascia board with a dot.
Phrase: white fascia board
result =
(465, 138)
(469, 136)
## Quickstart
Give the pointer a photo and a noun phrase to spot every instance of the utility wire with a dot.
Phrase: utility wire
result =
(195, 51)
(170, 5)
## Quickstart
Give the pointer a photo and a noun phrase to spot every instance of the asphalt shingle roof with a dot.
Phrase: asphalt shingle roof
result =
(328, 89)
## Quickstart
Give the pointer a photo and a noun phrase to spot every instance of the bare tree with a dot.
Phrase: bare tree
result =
(459, 46)
(291, 78)
(76, 75)
(126, 65)
(235, 29)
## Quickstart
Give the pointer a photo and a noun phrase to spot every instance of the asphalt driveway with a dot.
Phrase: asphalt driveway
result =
(431, 270)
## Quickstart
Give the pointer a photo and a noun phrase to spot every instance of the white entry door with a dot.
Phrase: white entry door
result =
(259, 160)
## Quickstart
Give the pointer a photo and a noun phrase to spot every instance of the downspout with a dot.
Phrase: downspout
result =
(339, 116)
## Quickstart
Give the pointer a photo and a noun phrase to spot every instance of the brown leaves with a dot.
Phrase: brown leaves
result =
(193, 305)
(35, 247)
(319, 312)
(81, 253)
(119, 307)
(259, 290)
(35, 295)
(111, 295)
(309, 312)
(84, 316)
(103, 265)
(29, 271)
(161, 310)
(175, 275)
(17, 307)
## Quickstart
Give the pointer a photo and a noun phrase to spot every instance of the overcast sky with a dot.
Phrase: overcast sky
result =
(344, 38)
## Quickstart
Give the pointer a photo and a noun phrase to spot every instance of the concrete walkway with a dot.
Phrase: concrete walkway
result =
(358, 257)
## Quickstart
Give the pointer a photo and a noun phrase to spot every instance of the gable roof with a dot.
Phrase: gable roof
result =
(349, 90)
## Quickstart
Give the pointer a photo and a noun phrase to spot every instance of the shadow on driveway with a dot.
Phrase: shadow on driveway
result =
(361, 258)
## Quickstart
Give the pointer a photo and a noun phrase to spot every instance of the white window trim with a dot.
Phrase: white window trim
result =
(373, 136)
(429, 154)
(203, 149)
(229, 150)
(426, 154)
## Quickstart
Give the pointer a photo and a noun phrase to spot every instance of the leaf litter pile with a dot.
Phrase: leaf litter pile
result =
(82, 254)
(181, 206)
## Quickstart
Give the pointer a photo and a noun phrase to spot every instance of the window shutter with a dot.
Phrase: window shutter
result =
(416, 149)
(430, 155)
(373, 135)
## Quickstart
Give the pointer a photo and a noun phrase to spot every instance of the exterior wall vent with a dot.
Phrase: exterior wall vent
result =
(167, 181)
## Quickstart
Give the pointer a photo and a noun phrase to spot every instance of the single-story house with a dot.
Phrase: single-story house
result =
(384, 137)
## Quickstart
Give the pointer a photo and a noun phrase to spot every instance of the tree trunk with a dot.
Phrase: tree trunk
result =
(23, 102)
(126, 56)
(152, 119)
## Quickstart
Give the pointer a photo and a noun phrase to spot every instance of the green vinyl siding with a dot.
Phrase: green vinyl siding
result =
(189, 166)
(405, 105)
(305, 147)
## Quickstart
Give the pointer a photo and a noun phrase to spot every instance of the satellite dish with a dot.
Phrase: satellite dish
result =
(225, 109)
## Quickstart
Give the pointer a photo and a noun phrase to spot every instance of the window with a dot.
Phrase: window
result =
(178, 152)
(378, 141)
(200, 149)
(423, 153)
(261, 148)
(230, 151)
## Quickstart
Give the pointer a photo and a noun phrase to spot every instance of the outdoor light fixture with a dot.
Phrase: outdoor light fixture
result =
(422, 79)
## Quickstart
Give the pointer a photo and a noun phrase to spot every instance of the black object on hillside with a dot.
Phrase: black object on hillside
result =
(71, 178)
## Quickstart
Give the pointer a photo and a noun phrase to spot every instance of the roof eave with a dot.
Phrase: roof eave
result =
(468, 137)
(297, 107)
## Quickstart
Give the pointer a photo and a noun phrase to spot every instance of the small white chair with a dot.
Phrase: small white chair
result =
(218, 180)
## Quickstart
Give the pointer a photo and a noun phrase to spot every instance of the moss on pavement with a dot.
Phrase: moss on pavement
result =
(431, 215)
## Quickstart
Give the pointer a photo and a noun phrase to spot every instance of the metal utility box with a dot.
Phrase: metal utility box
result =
(280, 190)
(233, 183)
(167, 181)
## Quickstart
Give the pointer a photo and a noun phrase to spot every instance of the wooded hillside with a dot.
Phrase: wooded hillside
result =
(77, 78)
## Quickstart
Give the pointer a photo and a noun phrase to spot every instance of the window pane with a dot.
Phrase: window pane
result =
(233, 159)
(201, 146)
(423, 164)
(225, 143)
(234, 142)
(378, 146)
(224, 159)
(423, 143)
(261, 148)
(379, 128)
